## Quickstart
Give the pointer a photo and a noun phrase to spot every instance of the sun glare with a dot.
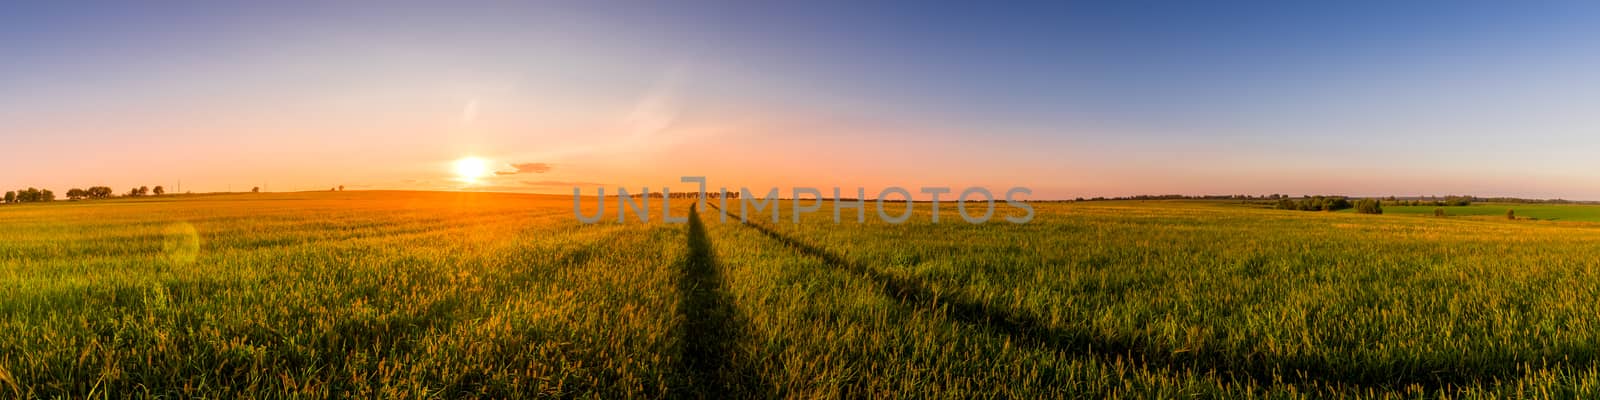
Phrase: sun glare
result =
(471, 169)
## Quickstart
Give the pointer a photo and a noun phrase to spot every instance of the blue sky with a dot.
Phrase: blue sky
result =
(1081, 99)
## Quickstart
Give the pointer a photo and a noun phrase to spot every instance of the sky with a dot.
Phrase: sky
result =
(1067, 99)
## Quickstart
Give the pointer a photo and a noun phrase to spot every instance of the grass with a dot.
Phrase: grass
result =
(447, 295)
(317, 295)
(1547, 212)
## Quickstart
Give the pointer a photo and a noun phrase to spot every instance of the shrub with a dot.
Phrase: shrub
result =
(1369, 206)
(1315, 203)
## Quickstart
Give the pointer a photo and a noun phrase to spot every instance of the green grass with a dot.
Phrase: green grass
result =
(316, 295)
(1548, 212)
(443, 295)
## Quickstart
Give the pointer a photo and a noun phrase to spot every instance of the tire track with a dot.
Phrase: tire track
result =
(1436, 376)
(711, 328)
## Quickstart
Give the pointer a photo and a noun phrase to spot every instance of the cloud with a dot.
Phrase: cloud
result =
(530, 186)
(658, 108)
(526, 168)
(560, 183)
(469, 112)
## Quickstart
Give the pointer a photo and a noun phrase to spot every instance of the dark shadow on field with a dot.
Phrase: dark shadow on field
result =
(711, 363)
(1448, 375)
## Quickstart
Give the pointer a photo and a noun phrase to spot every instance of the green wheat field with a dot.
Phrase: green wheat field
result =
(462, 295)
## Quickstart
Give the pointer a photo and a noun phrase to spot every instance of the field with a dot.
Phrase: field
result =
(1549, 212)
(452, 295)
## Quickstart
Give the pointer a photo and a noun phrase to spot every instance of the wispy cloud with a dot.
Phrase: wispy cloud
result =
(560, 183)
(469, 112)
(645, 124)
(659, 107)
(530, 186)
(526, 168)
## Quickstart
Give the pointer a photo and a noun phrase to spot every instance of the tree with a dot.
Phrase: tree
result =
(144, 190)
(1511, 214)
(1286, 204)
(1369, 206)
(99, 192)
(76, 193)
(256, 189)
(1315, 203)
(133, 192)
(160, 190)
(341, 188)
(29, 196)
(11, 197)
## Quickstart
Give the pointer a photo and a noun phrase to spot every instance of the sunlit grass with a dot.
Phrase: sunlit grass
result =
(370, 295)
(1222, 297)
(448, 295)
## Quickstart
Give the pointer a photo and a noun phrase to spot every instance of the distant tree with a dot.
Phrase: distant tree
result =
(256, 189)
(1336, 204)
(1456, 201)
(1369, 206)
(133, 192)
(144, 190)
(99, 192)
(76, 193)
(1438, 212)
(1511, 214)
(160, 190)
(341, 188)
(1315, 203)
(32, 195)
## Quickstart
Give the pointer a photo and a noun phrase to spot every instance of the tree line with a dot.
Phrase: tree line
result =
(35, 195)
(1331, 203)
(1448, 201)
(1188, 197)
(30, 195)
(1437, 201)
(683, 195)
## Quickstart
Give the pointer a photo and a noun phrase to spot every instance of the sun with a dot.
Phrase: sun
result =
(471, 169)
